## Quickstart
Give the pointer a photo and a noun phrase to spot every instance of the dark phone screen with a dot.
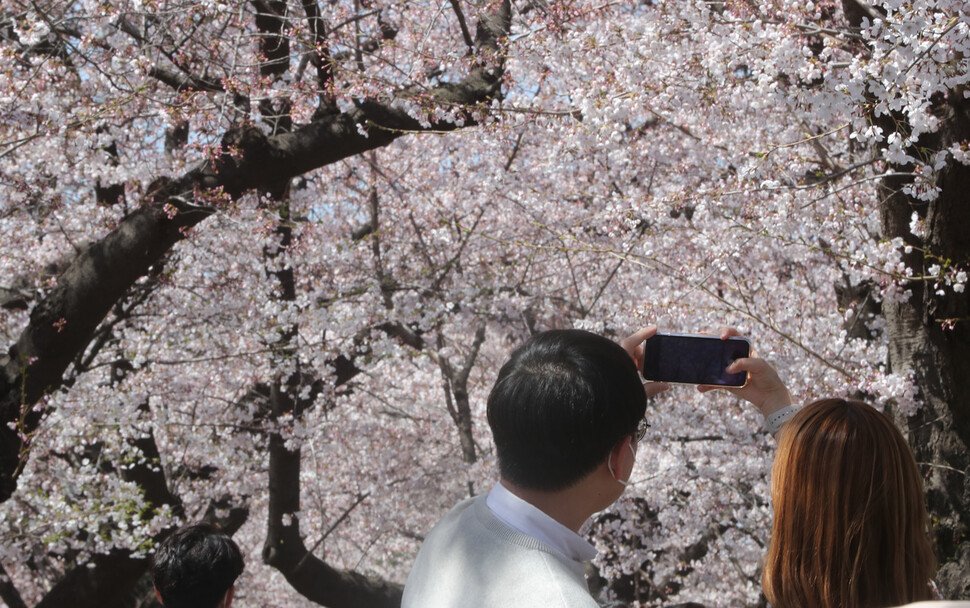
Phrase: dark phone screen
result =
(693, 359)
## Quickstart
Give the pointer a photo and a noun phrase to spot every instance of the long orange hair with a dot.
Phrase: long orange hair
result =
(850, 526)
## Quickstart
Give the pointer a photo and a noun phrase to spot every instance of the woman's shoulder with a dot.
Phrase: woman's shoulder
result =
(938, 604)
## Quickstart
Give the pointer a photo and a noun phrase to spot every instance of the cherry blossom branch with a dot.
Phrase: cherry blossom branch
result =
(179, 82)
(757, 319)
(616, 268)
(62, 324)
(701, 285)
(954, 22)
(809, 29)
(354, 19)
(452, 262)
(454, 383)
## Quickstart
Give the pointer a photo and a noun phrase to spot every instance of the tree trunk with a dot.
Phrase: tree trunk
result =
(929, 336)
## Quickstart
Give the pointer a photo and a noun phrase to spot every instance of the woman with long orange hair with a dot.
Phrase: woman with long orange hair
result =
(850, 525)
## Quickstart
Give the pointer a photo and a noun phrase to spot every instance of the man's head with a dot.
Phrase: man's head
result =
(560, 404)
(196, 567)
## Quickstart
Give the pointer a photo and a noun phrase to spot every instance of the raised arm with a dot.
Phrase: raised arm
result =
(764, 388)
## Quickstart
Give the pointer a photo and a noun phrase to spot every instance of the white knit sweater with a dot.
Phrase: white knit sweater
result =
(471, 559)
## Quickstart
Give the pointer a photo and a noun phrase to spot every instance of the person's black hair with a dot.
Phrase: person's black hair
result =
(195, 566)
(560, 404)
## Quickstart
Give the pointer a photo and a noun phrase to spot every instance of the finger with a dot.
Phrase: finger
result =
(746, 364)
(729, 332)
(630, 342)
(654, 388)
(633, 344)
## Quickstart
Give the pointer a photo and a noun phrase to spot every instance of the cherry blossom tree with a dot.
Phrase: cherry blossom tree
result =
(261, 262)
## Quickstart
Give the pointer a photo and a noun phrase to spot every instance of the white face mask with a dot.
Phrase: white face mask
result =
(609, 465)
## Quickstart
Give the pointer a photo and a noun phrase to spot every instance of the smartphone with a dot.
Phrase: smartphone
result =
(694, 359)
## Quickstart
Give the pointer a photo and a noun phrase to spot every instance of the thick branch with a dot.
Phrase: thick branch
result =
(274, 44)
(284, 548)
(63, 323)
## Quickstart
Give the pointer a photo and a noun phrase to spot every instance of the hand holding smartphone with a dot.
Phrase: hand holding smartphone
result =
(694, 359)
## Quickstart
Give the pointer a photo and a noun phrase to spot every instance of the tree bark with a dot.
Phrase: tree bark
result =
(929, 336)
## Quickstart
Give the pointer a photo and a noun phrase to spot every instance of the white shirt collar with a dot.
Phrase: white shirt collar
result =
(532, 521)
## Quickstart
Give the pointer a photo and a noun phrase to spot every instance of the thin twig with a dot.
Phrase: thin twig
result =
(360, 498)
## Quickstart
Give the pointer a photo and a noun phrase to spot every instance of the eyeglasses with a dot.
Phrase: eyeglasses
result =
(642, 427)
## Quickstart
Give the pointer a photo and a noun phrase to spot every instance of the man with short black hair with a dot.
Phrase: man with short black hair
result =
(566, 413)
(196, 567)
